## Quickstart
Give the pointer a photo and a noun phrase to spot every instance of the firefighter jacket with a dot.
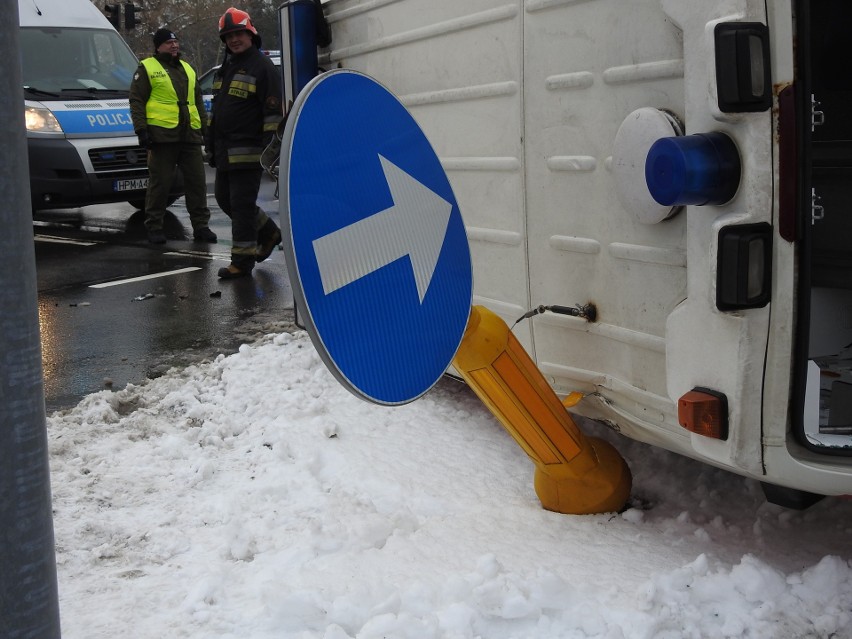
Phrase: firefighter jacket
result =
(160, 101)
(246, 110)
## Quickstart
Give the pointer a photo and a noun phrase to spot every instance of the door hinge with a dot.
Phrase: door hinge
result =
(817, 210)
(817, 115)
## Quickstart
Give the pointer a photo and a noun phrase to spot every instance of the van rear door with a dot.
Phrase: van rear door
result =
(824, 101)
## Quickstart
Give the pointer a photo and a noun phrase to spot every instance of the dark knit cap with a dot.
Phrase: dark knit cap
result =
(163, 35)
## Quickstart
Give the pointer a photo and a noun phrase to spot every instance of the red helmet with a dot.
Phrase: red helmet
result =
(235, 20)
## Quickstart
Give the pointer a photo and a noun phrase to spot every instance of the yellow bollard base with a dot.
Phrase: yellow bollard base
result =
(605, 488)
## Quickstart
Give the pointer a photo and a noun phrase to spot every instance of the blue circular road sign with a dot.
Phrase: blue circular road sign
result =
(374, 239)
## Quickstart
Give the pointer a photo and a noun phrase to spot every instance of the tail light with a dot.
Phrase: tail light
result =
(743, 83)
(744, 266)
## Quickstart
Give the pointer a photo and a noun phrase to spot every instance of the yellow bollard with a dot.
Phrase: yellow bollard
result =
(574, 474)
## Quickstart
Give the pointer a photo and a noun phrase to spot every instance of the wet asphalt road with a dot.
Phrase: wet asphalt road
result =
(114, 309)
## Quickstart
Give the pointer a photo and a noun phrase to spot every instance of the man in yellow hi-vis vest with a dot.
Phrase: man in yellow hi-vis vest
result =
(166, 107)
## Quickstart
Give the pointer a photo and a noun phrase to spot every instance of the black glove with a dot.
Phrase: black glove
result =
(209, 158)
(142, 134)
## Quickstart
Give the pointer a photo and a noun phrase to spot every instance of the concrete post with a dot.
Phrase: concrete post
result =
(29, 602)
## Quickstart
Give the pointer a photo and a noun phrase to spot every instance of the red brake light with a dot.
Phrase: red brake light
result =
(788, 165)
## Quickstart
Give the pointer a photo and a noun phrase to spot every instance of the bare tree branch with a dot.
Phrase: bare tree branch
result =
(196, 24)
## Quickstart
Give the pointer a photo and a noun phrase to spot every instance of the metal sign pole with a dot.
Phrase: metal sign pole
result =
(29, 601)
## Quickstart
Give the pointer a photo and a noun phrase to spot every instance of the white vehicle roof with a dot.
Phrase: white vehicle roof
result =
(61, 13)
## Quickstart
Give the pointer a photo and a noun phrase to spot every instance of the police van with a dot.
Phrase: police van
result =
(76, 72)
(681, 168)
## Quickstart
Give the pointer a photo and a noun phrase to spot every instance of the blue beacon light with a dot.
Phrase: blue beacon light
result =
(698, 169)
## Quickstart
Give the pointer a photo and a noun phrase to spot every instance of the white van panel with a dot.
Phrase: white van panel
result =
(587, 67)
(470, 109)
(522, 101)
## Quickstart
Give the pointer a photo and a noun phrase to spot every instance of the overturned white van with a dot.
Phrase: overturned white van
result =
(679, 166)
(76, 72)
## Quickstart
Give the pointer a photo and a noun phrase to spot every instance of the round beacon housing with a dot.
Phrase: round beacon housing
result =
(637, 133)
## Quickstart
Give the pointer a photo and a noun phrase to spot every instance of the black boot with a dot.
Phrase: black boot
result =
(204, 235)
(233, 271)
(268, 237)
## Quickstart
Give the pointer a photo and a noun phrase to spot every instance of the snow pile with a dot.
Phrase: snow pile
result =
(253, 497)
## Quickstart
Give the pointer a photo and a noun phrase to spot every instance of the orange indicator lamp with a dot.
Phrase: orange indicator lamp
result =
(705, 412)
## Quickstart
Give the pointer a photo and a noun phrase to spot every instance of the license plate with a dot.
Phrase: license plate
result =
(135, 184)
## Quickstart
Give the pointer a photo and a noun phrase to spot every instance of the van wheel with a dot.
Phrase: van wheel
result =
(140, 204)
(789, 497)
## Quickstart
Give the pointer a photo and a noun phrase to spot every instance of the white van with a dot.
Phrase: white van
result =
(681, 166)
(76, 72)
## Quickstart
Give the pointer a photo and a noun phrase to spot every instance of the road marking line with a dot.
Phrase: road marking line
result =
(203, 255)
(147, 277)
(62, 240)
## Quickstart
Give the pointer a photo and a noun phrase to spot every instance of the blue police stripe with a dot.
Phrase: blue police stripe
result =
(95, 121)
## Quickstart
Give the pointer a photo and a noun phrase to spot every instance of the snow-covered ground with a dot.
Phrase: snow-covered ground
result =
(252, 497)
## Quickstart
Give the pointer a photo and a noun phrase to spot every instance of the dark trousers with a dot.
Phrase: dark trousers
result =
(236, 194)
(162, 160)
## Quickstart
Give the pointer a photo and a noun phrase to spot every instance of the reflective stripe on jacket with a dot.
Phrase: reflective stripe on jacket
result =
(163, 108)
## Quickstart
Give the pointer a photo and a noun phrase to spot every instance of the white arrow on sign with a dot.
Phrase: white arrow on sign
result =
(415, 226)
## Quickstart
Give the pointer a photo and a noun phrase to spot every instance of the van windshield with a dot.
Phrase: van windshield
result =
(71, 60)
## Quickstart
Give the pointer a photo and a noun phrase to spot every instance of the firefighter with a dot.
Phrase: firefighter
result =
(164, 106)
(245, 115)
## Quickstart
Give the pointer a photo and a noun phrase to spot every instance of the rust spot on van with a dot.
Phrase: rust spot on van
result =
(590, 311)
(778, 90)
